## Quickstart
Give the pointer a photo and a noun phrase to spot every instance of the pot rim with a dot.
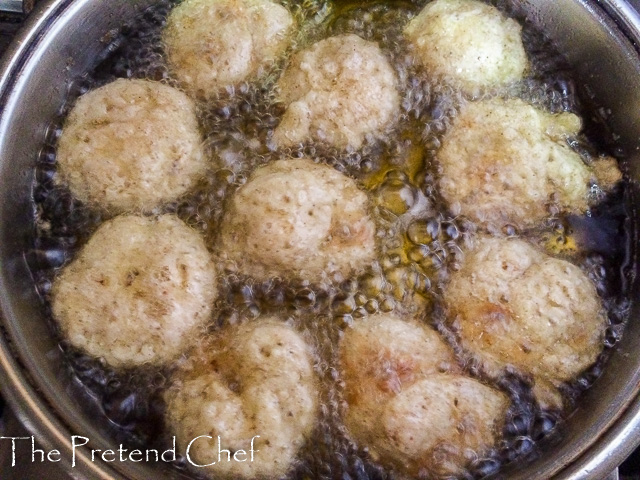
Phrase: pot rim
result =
(21, 392)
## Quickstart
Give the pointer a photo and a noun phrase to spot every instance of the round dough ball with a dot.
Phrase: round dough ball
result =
(139, 291)
(338, 92)
(442, 423)
(380, 357)
(214, 43)
(514, 305)
(468, 43)
(502, 160)
(408, 402)
(251, 380)
(131, 145)
(295, 218)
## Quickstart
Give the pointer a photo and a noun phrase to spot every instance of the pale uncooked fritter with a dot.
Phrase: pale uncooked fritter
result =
(502, 160)
(211, 44)
(338, 91)
(255, 379)
(468, 43)
(408, 402)
(139, 292)
(131, 145)
(514, 305)
(298, 219)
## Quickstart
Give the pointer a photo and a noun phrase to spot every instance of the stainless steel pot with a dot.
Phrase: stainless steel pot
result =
(64, 38)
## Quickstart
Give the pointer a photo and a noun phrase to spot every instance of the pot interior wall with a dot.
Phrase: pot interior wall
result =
(608, 72)
(66, 40)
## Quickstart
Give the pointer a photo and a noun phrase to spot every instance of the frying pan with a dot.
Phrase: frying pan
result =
(64, 38)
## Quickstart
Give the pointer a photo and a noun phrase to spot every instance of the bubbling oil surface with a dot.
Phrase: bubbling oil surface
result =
(420, 240)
